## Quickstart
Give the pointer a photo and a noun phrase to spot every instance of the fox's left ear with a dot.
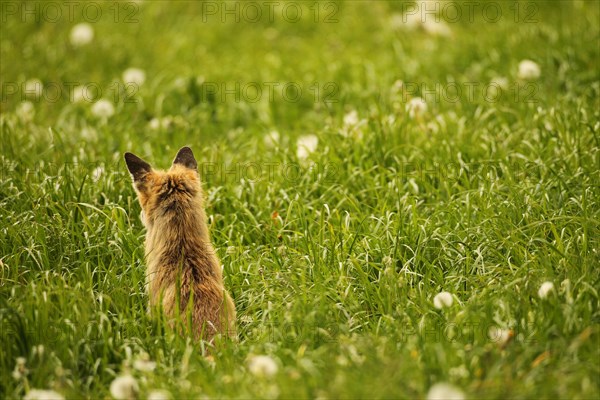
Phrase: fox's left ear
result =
(186, 158)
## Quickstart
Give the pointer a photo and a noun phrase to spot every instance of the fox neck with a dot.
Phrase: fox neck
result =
(179, 240)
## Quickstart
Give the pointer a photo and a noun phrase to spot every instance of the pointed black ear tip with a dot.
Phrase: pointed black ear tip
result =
(185, 157)
(185, 150)
(130, 157)
(136, 165)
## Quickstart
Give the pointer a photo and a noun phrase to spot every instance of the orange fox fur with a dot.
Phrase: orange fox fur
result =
(179, 252)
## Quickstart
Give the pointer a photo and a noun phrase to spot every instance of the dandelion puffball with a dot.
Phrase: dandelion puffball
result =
(529, 70)
(306, 145)
(25, 111)
(103, 109)
(144, 365)
(436, 27)
(545, 289)
(97, 173)
(442, 300)
(416, 107)
(37, 394)
(500, 82)
(81, 34)
(271, 139)
(351, 118)
(20, 370)
(430, 23)
(445, 391)
(262, 366)
(80, 94)
(134, 76)
(158, 395)
(124, 387)
(33, 88)
(499, 335)
(160, 123)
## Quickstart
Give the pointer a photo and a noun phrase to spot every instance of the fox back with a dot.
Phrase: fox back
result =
(183, 271)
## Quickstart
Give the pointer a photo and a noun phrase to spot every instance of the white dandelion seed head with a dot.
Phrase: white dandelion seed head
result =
(459, 372)
(443, 300)
(33, 88)
(421, 19)
(545, 289)
(97, 173)
(81, 34)
(436, 27)
(351, 118)
(416, 107)
(412, 21)
(529, 70)
(499, 335)
(25, 111)
(263, 366)
(103, 109)
(398, 86)
(144, 365)
(396, 21)
(500, 82)
(445, 391)
(20, 369)
(89, 133)
(80, 94)
(37, 394)
(390, 120)
(160, 123)
(306, 145)
(271, 139)
(39, 349)
(352, 125)
(159, 395)
(154, 124)
(180, 83)
(124, 387)
(134, 76)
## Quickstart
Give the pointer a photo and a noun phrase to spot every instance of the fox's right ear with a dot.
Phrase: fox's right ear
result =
(136, 166)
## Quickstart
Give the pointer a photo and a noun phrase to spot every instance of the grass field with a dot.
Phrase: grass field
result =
(358, 160)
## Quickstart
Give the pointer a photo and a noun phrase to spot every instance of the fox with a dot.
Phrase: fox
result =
(183, 272)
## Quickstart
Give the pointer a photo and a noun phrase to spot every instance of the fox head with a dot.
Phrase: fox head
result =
(166, 194)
